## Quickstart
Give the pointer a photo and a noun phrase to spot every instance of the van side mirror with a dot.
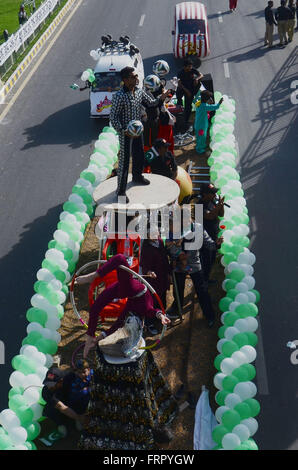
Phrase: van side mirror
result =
(173, 32)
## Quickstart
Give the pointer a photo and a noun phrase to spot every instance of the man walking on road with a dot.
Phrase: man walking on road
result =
(282, 16)
(270, 21)
(291, 22)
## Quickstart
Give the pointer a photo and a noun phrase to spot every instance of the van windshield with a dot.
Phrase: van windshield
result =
(106, 81)
(191, 26)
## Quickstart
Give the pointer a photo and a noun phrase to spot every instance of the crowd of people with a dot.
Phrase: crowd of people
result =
(284, 18)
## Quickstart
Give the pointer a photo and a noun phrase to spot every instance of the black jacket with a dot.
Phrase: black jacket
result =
(282, 14)
(269, 17)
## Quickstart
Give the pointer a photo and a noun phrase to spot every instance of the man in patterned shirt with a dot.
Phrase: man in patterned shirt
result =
(127, 105)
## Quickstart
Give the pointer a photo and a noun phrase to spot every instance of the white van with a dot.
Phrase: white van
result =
(112, 58)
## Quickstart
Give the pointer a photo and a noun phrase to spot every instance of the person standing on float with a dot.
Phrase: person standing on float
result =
(127, 105)
(201, 120)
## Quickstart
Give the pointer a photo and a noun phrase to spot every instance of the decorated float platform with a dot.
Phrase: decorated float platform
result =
(221, 358)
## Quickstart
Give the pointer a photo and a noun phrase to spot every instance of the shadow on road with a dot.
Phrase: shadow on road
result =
(269, 178)
(71, 125)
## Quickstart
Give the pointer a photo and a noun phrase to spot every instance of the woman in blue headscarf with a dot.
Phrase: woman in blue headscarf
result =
(203, 106)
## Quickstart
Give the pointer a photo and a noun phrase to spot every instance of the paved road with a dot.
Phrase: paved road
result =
(46, 139)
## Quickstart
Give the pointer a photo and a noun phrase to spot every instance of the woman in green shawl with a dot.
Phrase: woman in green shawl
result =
(203, 107)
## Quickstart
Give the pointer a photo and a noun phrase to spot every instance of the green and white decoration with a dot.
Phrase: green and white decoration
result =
(19, 424)
(234, 380)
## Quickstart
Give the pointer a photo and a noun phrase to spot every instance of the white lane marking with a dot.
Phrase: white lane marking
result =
(27, 79)
(261, 375)
(142, 20)
(220, 18)
(226, 68)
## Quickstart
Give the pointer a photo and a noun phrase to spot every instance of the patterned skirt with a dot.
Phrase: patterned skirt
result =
(127, 402)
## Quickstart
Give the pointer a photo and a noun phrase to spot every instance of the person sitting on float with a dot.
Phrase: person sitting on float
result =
(139, 299)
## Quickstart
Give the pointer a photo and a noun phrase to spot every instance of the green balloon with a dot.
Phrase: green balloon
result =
(5, 442)
(218, 433)
(240, 373)
(221, 331)
(229, 257)
(229, 383)
(15, 391)
(250, 371)
(257, 294)
(220, 397)
(23, 364)
(25, 415)
(247, 310)
(230, 319)
(36, 315)
(33, 431)
(252, 338)
(243, 410)
(218, 360)
(232, 293)
(230, 284)
(54, 269)
(224, 303)
(32, 338)
(254, 406)
(71, 266)
(81, 191)
(230, 419)
(241, 339)
(247, 445)
(225, 248)
(16, 402)
(87, 175)
(236, 274)
(47, 346)
(229, 348)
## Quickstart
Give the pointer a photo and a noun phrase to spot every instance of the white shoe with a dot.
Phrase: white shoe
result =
(62, 430)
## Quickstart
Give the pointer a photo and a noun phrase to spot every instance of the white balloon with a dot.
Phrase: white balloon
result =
(249, 281)
(49, 361)
(37, 411)
(17, 379)
(228, 365)
(53, 323)
(233, 265)
(54, 254)
(251, 297)
(44, 274)
(222, 317)
(231, 400)
(218, 378)
(56, 337)
(249, 352)
(242, 432)
(41, 372)
(220, 411)
(8, 419)
(233, 305)
(61, 237)
(34, 326)
(85, 76)
(247, 269)
(241, 298)
(241, 325)
(245, 390)
(252, 324)
(230, 441)
(230, 332)
(239, 358)
(32, 379)
(18, 435)
(32, 353)
(251, 424)
(241, 287)
(31, 395)
(20, 447)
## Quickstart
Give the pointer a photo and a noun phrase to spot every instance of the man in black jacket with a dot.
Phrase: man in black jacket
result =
(282, 16)
(270, 21)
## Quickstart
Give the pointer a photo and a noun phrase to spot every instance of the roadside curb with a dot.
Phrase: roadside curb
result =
(34, 51)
